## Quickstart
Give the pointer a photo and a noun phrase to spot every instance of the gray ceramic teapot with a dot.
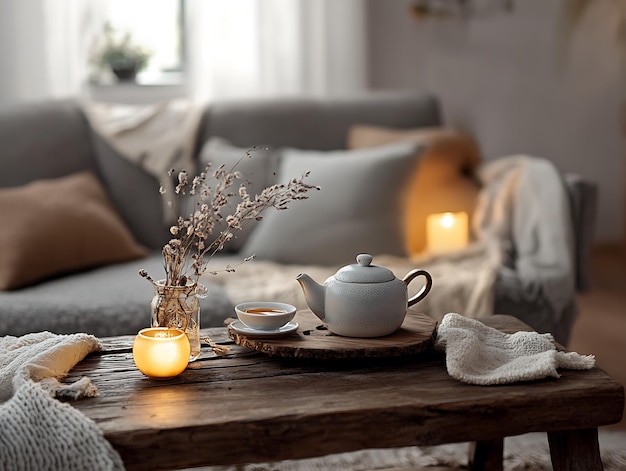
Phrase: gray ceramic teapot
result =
(362, 300)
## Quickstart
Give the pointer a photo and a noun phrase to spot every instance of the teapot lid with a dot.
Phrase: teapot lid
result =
(364, 272)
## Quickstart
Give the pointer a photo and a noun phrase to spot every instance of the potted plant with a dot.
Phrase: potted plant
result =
(124, 58)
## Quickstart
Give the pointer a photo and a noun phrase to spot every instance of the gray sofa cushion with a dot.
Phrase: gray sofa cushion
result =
(360, 208)
(134, 192)
(113, 300)
(43, 140)
(258, 165)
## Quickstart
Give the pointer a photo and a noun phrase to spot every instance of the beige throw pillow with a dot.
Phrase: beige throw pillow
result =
(444, 180)
(52, 227)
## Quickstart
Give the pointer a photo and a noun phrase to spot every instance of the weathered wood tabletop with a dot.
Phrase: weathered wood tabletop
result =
(250, 407)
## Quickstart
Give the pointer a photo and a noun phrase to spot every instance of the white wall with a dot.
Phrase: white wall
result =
(517, 83)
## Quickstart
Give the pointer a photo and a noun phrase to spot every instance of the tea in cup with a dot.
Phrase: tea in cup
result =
(265, 315)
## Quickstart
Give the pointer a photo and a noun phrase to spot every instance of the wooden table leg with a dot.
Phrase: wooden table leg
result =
(486, 455)
(575, 450)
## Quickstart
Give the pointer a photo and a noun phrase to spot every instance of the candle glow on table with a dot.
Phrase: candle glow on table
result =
(160, 352)
(446, 232)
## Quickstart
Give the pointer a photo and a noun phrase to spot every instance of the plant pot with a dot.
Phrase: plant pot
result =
(125, 74)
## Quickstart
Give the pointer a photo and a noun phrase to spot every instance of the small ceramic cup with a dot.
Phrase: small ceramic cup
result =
(264, 315)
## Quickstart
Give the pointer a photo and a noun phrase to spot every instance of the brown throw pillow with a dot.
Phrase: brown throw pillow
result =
(444, 180)
(52, 227)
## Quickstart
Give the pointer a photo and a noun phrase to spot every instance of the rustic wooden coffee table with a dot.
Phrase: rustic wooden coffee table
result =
(250, 407)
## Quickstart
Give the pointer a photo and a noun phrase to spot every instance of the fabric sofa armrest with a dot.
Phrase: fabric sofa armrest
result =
(583, 196)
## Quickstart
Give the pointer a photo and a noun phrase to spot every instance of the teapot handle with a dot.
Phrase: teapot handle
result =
(425, 290)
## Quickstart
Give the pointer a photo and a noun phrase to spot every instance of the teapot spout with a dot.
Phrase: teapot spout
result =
(314, 293)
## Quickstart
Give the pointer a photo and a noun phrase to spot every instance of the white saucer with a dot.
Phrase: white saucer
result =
(243, 329)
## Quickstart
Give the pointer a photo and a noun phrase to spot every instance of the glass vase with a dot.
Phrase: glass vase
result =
(178, 307)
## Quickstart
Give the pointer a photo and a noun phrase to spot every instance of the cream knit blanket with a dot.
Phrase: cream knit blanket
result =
(38, 432)
(478, 354)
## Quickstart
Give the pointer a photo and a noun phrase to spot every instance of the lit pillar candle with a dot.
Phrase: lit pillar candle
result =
(160, 352)
(446, 232)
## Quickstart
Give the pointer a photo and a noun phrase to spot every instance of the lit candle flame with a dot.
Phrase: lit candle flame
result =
(447, 220)
(446, 232)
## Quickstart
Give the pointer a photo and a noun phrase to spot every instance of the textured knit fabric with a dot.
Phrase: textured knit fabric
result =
(37, 432)
(478, 354)
(524, 213)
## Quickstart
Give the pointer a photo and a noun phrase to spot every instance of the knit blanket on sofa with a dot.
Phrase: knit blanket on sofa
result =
(524, 214)
(522, 227)
(36, 430)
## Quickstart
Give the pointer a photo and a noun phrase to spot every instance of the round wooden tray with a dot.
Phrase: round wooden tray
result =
(313, 340)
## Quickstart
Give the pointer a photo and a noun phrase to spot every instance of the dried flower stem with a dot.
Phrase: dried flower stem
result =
(188, 253)
(218, 349)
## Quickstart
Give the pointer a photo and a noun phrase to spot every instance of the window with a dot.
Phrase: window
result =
(156, 26)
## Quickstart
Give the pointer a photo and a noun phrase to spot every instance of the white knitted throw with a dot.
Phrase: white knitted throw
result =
(38, 432)
(478, 354)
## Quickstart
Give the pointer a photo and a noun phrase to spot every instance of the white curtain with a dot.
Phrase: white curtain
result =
(44, 48)
(275, 47)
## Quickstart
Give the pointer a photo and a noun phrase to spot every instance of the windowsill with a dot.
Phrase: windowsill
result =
(145, 79)
(148, 88)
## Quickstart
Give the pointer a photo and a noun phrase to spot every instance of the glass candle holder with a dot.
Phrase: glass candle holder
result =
(446, 232)
(161, 352)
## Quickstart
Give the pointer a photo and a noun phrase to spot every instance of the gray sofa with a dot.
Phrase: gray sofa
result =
(53, 139)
